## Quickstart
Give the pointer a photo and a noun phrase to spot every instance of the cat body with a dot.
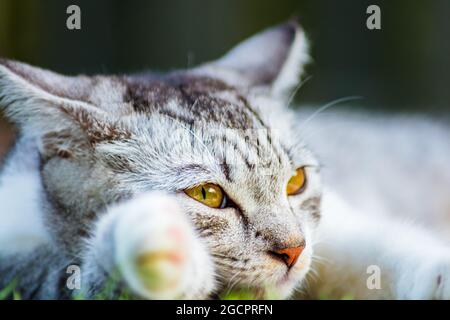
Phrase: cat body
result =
(102, 172)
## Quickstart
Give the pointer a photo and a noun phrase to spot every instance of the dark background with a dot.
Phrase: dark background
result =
(403, 67)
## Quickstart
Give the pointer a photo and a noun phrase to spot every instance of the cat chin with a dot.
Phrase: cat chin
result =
(283, 288)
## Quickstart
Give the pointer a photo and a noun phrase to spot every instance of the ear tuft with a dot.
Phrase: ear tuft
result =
(51, 107)
(274, 58)
(293, 67)
(28, 93)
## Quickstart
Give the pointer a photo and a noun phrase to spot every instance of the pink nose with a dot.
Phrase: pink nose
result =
(289, 255)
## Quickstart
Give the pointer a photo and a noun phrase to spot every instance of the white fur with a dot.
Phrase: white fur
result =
(40, 104)
(22, 227)
(293, 67)
(399, 164)
(244, 64)
(146, 225)
(413, 263)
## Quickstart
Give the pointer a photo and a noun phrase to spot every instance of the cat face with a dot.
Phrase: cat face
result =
(214, 136)
(218, 136)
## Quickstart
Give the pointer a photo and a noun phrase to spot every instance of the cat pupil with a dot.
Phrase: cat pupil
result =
(203, 193)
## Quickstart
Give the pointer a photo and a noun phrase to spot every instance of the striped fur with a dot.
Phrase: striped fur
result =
(97, 180)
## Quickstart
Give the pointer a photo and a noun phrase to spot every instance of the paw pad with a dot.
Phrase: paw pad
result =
(160, 271)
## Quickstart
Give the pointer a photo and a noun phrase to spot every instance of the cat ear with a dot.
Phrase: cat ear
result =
(274, 59)
(45, 104)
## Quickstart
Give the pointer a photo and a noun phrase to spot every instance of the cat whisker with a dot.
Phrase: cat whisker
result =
(297, 88)
(230, 266)
(319, 259)
(328, 106)
(192, 133)
(232, 285)
(302, 290)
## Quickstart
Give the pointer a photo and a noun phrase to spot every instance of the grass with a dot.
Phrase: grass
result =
(11, 293)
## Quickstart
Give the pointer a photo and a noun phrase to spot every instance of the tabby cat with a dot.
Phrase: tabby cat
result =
(202, 182)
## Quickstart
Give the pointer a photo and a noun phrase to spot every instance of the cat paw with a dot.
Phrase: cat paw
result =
(157, 252)
(430, 280)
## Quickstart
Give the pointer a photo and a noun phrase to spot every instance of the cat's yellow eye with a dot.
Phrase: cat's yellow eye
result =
(297, 182)
(209, 194)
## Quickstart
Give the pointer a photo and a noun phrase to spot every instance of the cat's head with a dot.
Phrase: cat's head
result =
(218, 136)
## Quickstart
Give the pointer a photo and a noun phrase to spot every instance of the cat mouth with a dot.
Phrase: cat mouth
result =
(286, 279)
(293, 276)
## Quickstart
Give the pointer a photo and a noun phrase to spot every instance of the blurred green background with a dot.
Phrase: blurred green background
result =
(403, 67)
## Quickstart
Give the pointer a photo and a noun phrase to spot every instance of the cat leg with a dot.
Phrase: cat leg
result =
(150, 244)
(370, 257)
(39, 273)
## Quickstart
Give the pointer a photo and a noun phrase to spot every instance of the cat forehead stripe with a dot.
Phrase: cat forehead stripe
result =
(197, 99)
(201, 100)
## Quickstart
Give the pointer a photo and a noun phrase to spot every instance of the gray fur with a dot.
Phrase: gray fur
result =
(106, 139)
(105, 161)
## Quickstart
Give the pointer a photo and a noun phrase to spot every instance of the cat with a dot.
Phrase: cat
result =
(198, 183)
